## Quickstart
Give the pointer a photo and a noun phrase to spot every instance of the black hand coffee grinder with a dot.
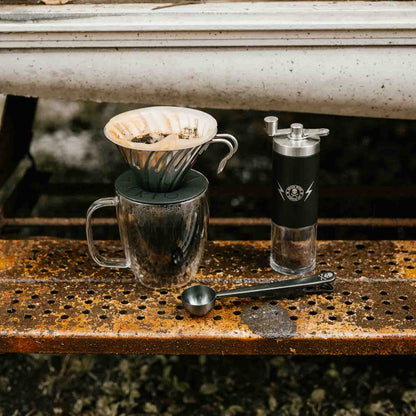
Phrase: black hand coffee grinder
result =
(295, 196)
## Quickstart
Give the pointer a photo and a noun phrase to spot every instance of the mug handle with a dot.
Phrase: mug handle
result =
(98, 258)
(232, 144)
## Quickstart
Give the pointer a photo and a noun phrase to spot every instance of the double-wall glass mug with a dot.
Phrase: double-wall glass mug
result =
(163, 234)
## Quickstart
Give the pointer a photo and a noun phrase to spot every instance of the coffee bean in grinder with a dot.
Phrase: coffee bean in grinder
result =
(294, 196)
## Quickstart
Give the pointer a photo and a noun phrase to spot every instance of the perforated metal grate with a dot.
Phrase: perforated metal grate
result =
(54, 298)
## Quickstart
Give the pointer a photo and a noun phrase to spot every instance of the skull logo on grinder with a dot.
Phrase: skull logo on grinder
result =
(294, 193)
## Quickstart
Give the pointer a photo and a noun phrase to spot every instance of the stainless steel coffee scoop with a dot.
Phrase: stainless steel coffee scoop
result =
(199, 300)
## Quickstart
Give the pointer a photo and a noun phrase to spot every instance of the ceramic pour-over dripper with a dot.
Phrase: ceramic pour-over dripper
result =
(161, 144)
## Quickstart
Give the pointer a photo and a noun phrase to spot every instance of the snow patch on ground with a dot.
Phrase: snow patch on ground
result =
(65, 149)
(57, 112)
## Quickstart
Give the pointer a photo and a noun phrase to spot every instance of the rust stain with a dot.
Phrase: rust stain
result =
(404, 260)
(7, 262)
(56, 299)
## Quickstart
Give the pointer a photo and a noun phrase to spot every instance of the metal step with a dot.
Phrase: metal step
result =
(55, 299)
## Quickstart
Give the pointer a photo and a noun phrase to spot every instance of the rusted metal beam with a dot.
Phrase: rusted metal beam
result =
(15, 132)
(13, 181)
(368, 222)
(328, 191)
(235, 222)
(54, 298)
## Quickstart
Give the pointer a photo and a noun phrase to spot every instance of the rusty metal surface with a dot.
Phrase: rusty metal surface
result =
(237, 222)
(55, 299)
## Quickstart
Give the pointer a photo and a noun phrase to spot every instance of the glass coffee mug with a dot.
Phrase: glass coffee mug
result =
(163, 234)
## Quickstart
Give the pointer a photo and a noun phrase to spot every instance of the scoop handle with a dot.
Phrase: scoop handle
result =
(318, 281)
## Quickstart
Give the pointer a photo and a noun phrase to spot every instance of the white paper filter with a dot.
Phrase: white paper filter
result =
(173, 122)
